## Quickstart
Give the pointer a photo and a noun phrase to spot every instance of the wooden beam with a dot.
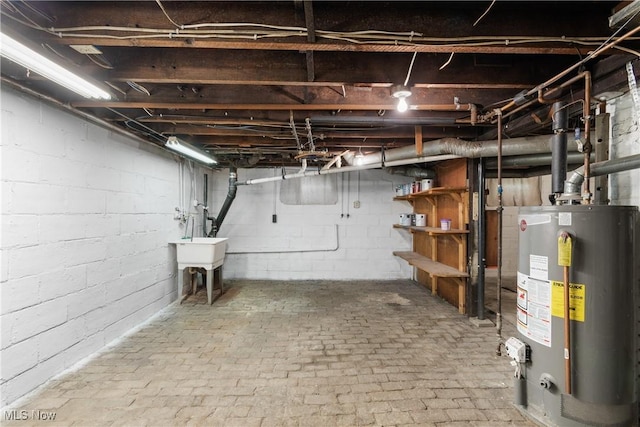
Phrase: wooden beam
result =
(418, 136)
(258, 107)
(191, 43)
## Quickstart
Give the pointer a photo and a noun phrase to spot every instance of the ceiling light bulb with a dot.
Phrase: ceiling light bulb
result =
(401, 92)
(402, 105)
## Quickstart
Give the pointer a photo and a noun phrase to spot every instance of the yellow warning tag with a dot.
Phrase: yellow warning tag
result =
(577, 300)
(564, 251)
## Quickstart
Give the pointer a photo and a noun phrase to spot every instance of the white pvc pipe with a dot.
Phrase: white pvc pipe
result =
(302, 173)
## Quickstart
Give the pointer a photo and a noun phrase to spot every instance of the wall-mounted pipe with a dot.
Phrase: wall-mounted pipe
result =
(231, 195)
(559, 149)
(205, 207)
(333, 248)
(572, 185)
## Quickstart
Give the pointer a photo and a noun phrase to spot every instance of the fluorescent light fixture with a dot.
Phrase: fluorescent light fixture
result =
(33, 61)
(175, 144)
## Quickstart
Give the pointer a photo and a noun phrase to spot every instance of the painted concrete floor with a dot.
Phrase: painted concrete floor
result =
(309, 353)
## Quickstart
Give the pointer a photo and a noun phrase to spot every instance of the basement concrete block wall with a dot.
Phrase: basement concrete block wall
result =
(86, 217)
(625, 141)
(315, 242)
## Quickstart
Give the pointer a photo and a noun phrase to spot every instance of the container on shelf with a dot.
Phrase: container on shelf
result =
(421, 220)
(426, 184)
(405, 219)
(445, 224)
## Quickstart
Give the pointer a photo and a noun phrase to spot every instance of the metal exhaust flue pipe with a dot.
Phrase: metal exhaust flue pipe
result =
(559, 149)
(573, 184)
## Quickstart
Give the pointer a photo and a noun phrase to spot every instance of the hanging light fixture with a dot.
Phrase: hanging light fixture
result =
(188, 150)
(31, 60)
(402, 92)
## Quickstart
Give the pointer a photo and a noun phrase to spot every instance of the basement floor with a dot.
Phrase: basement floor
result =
(310, 353)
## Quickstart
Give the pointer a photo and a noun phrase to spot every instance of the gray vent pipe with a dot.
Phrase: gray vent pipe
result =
(468, 149)
(412, 172)
(535, 160)
(572, 185)
(439, 149)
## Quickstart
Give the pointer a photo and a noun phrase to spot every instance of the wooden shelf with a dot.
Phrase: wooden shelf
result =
(431, 230)
(440, 256)
(436, 191)
(434, 268)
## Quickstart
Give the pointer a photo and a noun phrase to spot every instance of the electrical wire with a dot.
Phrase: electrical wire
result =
(37, 11)
(148, 131)
(104, 64)
(406, 81)
(167, 15)
(240, 31)
(115, 87)
(138, 87)
(448, 62)
(485, 12)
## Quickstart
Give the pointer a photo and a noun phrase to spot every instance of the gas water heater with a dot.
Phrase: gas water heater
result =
(580, 260)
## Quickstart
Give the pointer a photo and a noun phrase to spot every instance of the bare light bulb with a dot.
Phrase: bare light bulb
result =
(402, 105)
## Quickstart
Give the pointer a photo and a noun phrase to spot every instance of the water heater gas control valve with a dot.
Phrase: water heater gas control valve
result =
(516, 349)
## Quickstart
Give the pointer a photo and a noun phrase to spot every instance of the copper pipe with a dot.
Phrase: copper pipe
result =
(520, 108)
(566, 84)
(567, 332)
(474, 114)
(560, 75)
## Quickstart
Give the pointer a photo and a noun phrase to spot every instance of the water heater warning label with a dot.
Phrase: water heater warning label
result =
(577, 297)
(534, 308)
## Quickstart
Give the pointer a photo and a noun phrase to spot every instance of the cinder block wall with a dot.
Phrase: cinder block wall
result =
(313, 242)
(86, 217)
(625, 141)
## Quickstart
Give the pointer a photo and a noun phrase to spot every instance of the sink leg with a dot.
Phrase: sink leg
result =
(180, 283)
(210, 286)
(220, 281)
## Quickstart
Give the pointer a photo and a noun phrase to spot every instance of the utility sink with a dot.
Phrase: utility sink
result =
(201, 252)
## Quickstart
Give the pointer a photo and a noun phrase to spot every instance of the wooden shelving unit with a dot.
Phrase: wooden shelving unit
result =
(440, 255)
